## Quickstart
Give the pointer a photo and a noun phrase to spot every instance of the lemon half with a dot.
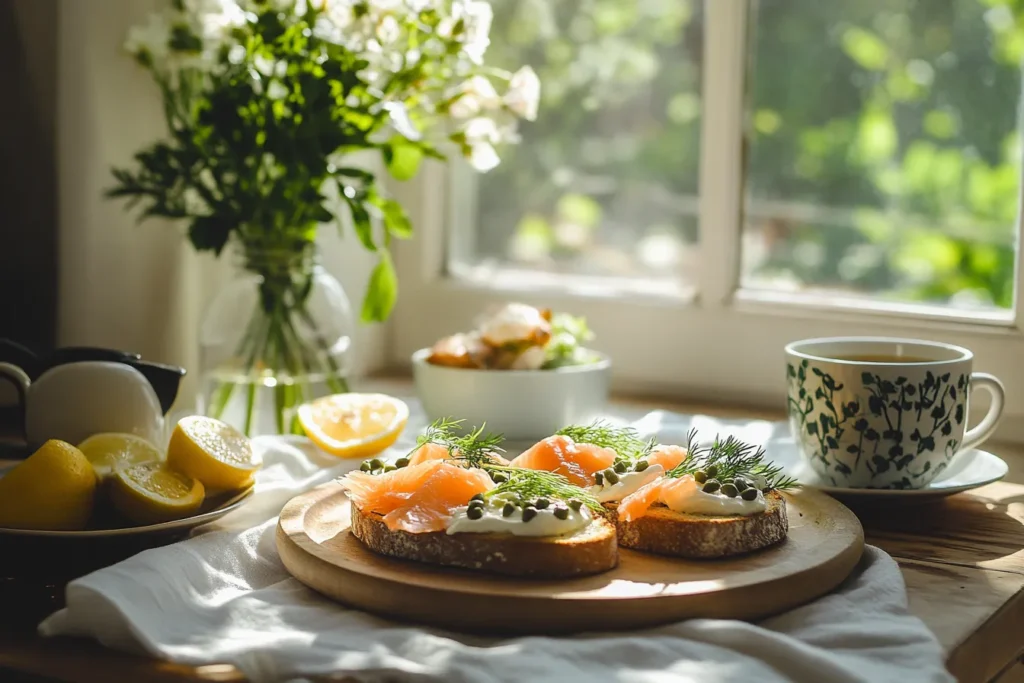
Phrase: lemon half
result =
(354, 425)
(213, 452)
(106, 451)
(150, 493)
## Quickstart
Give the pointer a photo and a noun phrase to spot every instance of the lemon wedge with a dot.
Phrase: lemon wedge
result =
(106, 451)
(151, 492)
(53, 489)
(354, 425)
(213, 452)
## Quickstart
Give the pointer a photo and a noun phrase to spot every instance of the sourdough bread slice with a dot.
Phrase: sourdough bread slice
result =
(590, 550)
(665, 532)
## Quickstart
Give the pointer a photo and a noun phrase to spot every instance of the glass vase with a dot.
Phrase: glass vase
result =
(279, 334)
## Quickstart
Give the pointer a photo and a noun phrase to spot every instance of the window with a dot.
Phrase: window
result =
(605, 182)
(884, 155)
(707, 181)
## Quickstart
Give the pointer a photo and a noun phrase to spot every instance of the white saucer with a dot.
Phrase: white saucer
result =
(969, 470)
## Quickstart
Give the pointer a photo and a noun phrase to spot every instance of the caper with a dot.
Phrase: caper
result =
(479, 497)
(749, 494)
(390, 468)
(610, 475)
(621, 467)
(499, 478)
(700, 476)
(541, 503)
(529, 512)
(561, 512)
(599, 478)
(641, 465)
(729, 489)
(741, 483)
(402, 462)
(710, 486)
(575, 504)
(508, 510)
(475, 512)
(476, 504)
(712, 471)
(376, 463)
(365, 467)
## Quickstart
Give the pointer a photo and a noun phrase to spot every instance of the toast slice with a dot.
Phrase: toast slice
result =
(664, 532)
(590, 550)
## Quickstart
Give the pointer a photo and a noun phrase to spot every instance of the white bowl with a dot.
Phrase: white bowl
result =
(521, 404)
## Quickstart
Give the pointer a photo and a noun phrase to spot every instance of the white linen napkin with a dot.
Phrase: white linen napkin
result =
(224, 597)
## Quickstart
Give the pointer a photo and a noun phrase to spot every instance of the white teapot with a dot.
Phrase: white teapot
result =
(73, 401)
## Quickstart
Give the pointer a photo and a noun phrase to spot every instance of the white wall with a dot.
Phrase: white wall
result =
(138, 288)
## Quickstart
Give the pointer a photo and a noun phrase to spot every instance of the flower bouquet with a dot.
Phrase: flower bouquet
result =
(267, 104)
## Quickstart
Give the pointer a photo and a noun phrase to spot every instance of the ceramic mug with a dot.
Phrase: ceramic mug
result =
(874, 412)
(73, 401)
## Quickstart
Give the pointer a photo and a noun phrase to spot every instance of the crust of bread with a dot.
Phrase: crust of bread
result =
(664, 532)
(591, 550)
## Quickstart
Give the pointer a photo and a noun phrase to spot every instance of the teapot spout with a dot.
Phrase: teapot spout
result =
(166, 380)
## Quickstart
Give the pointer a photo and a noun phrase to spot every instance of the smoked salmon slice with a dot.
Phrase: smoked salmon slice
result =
(433, 451)
(637, 504)
(577, 462)
(416, 498)
(668, 457)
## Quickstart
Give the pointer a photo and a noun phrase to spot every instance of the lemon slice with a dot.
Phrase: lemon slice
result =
(106, 451)
(150, 493)
(213, 452)
(354, 425)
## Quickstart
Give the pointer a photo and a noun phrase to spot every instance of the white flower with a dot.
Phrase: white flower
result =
(481, 135)
(236, 55)
(523, 94)
(217, 17)
(264, 65)
(388, 30)
(483, 157)
(475, 95)
(401, 121)
(149, 42)
(481, 129)
(277, 90)
(477, 15)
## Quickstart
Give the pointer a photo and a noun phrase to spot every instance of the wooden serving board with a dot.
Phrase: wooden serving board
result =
(824, 545)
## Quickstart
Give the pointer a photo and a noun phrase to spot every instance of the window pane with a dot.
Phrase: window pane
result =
(883, 152)
(605, 181)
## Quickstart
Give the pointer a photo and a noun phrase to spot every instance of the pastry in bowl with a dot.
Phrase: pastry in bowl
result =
(522, 370)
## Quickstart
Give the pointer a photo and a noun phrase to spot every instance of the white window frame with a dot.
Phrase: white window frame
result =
(717, 344)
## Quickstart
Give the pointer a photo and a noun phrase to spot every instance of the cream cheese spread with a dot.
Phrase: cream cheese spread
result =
(685, 495)
(544, 523)
(628, 483)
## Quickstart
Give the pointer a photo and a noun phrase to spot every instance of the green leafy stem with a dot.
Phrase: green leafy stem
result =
(272, 342)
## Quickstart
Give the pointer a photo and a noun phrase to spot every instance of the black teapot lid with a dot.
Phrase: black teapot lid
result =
(165, 379)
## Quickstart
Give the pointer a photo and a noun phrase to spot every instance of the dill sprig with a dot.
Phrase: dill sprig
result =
(732, 458)
(475, 448)
(530, 485)
(623, 440)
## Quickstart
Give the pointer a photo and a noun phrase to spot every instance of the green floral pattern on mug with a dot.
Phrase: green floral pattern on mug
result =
(902, 432)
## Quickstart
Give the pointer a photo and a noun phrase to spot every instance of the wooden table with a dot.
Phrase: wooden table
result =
(962, 558)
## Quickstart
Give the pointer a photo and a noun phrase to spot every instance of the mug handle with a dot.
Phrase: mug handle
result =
(19, 378)
(979, 434)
